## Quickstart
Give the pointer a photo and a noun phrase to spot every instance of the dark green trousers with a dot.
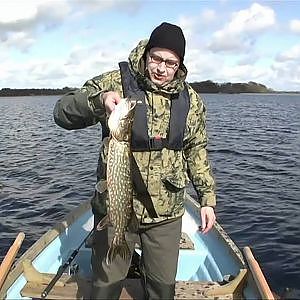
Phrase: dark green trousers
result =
(160, 249)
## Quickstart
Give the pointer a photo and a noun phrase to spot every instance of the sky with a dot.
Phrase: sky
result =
(63, 43)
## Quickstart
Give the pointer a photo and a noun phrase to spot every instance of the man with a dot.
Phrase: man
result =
(169, 148)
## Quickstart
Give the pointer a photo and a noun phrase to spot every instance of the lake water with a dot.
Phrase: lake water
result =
(254, 148)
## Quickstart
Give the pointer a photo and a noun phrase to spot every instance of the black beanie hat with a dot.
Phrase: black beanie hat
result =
(168, 36)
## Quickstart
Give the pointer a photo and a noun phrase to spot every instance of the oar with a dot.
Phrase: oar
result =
(10, 257)
(258, 275)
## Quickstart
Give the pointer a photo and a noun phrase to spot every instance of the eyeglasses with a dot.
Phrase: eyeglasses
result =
(172, 64)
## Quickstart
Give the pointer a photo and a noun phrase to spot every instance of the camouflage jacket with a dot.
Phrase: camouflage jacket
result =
(166, 173)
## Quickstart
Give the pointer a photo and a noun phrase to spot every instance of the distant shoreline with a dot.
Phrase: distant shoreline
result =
(8, 92)
(223, 93)
(203, 87)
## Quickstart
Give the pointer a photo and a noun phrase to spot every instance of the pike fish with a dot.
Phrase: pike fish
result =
(119, 182)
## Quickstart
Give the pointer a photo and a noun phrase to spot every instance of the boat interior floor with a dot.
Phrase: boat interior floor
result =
(77, 287)
(80, 289)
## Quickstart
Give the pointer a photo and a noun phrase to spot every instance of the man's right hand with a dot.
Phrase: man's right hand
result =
(110, 100)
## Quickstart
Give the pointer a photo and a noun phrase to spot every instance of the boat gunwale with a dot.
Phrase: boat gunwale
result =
(33, 251)
(235, 250)
(221, 233)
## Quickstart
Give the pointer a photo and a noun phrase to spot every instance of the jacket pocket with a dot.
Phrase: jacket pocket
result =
(175, 183)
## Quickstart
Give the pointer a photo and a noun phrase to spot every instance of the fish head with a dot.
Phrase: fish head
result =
(121, 119)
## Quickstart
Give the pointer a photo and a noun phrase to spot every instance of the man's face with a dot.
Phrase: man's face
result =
(162, 64)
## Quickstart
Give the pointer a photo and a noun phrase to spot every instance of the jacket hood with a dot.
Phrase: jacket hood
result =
(137, 66)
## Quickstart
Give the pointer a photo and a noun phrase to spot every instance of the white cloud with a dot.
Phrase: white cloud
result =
(196, 27)
(286, 75)
(31, 73)
(208, 15)
(20, 29)
(192, 25)
(17, 11)
(21, 40)
(249, 58)
(5, 70)
(188, 24)
(86, 62)
(72, 70)
(48, 69)
(230, 42)
(93, 6)
(15, 15)
(293, 54)
(254, 19)
(240, 32)
(21, 20)
(31, 18)
(201, 65)
(244, 73)
(295, 26)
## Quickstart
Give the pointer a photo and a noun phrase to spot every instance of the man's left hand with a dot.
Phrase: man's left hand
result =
(208, 218)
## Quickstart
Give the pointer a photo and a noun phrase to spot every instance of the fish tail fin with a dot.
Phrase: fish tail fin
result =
(104, 222)
(116, 248)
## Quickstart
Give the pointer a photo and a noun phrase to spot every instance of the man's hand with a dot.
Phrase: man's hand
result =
(208, 218)
(110, 100)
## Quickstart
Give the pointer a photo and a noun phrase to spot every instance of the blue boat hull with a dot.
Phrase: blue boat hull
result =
(214, 257)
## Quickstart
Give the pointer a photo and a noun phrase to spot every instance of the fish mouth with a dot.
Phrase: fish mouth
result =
(131, 103)
(122, 115)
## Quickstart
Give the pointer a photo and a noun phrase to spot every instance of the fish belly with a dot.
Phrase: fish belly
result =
(119, 186)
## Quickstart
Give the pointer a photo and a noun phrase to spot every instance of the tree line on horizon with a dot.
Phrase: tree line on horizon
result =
(207, 86)
(8, 92)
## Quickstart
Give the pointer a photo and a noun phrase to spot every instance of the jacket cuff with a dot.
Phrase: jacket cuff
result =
(95, 103)
(209, 200)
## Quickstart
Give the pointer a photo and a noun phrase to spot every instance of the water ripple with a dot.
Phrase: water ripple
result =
(254, 147)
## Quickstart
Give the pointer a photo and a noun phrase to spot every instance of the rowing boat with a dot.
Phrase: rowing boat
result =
(210, 266)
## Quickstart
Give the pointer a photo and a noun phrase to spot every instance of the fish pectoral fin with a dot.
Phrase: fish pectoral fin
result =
(115, 249)
(101, 186)
(104, 222)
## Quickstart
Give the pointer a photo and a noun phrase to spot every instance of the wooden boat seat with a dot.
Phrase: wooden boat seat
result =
(79, 289)
(76, 287)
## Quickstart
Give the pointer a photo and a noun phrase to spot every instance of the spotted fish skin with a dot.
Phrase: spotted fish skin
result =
(119, 183)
